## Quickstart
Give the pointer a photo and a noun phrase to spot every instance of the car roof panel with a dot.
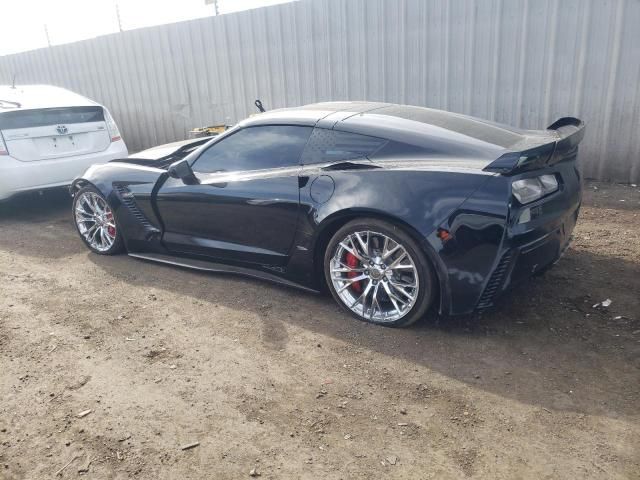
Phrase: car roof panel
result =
(343, 115)
(31, 97)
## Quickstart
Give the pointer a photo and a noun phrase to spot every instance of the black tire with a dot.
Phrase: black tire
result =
(423, 269)
(118, 244)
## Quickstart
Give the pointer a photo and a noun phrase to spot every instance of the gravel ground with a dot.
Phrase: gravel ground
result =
(279, 383)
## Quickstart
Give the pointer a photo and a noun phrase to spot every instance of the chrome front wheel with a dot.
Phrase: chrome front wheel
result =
(375, 276)
(95, 221)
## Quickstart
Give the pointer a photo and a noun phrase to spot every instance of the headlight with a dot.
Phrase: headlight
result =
(549, 182)
(528, 190)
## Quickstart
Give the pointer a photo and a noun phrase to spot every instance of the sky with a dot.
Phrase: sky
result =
(24, 23)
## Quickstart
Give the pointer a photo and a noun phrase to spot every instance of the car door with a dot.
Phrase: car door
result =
(244, 205)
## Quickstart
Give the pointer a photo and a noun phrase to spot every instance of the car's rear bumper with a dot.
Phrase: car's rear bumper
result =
(17, 176)
(528, 251)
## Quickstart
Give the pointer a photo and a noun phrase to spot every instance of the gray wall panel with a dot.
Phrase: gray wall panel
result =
(522, 62)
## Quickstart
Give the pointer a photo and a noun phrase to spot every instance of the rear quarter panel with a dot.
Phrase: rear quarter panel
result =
(478, 227)
(419, 201)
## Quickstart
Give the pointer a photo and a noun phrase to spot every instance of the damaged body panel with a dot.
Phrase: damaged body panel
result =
(450, 183)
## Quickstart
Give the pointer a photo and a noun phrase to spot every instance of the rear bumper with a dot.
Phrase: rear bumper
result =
(526, 253)
(17, 176)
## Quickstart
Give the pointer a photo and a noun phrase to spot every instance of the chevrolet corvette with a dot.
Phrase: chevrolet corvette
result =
(396, 210)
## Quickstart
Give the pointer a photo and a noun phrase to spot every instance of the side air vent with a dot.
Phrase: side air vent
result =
(129, 201)
(495, 282)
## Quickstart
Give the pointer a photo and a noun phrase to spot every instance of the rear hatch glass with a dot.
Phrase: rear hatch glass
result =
(54, 132)
(50, 116)
(483, 130)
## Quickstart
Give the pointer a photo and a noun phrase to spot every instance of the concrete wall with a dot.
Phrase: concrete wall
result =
(522, 62)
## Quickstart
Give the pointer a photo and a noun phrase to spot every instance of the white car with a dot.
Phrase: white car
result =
(49, 136)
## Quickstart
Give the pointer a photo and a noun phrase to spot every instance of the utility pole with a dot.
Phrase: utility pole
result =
(118, 16)
(46, 33)
(215, 5)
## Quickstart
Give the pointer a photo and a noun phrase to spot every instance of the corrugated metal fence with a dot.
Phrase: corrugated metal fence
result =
(522, 62)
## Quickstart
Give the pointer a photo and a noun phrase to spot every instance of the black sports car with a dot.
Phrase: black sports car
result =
(394, 208)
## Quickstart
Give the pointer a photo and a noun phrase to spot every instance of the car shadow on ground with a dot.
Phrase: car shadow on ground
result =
(39, 225)
(33, 207)
(537, 346)
(544, 344)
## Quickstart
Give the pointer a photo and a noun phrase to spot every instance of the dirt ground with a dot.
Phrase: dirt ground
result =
(281, 381)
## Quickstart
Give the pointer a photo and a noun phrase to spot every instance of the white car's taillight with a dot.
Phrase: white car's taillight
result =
(114, 133)
(530, 189)
(3, 146)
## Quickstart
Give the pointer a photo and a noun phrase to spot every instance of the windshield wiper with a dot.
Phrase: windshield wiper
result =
(14, 104)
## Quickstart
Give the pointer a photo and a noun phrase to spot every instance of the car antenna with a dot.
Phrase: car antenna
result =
(13, 81)
(258, 104)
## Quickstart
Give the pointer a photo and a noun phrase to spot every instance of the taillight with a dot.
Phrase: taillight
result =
(531, 189)
(3, 146)
(114, 133)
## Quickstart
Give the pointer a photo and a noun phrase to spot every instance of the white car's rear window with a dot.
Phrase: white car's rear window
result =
(50, 116)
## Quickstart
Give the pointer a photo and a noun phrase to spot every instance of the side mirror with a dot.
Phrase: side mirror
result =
(182, 170)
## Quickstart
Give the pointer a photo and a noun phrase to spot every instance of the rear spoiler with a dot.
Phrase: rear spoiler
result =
(568, 133)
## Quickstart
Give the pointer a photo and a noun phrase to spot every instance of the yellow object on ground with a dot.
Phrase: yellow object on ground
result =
(208, 131)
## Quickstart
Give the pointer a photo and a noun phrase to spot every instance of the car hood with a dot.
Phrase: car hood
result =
(164, 155)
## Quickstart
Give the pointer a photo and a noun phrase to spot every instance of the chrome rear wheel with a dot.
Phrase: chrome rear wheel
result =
(95, 221)
(374, 276)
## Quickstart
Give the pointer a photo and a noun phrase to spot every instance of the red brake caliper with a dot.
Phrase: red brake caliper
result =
(352, 262)
(111, 230)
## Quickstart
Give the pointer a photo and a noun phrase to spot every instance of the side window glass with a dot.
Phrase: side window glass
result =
(333, 146)
(255, 148)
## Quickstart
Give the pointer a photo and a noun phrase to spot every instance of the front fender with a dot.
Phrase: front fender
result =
(128, 189)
